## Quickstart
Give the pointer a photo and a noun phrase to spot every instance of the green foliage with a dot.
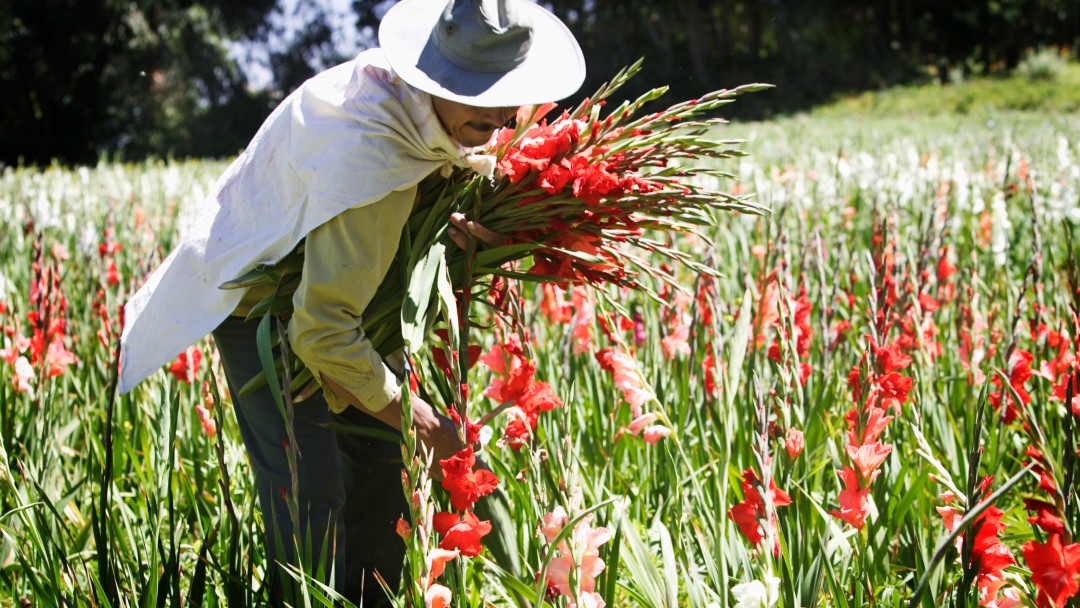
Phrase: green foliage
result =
(1043, 64)
(983, 97)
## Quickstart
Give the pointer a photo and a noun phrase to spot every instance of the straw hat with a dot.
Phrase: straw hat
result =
(485, 53)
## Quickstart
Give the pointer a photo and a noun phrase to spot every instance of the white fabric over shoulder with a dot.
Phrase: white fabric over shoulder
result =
(344, 139)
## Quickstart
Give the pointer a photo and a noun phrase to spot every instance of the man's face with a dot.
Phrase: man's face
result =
(468, 125)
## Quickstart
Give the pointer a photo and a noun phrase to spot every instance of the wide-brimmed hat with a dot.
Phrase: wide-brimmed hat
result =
(485, 53)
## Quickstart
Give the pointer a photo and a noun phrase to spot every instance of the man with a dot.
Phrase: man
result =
(337, 164)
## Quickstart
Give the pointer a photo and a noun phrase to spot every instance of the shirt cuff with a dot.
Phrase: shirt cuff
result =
(375, 394)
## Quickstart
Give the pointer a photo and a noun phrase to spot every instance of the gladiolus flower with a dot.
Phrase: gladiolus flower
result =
(437, 596)
(186, 365)
(579, 555)
(852, 499)
(1054, 569)
(1019, 372)
(24, 374)
(868, 457)
(58, 358)
(889, 357)
(403, 529)
(794, 443)
(465, 485)
(1045, 516)
(553, 523)
(437, 559)
(655, 433)
(749, 514)
(628, 379)
(461, 532)
(585, 310)
(755, 594)
(675, 343)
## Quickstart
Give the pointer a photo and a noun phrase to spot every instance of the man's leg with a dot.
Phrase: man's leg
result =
(371, 457)
(321, 495)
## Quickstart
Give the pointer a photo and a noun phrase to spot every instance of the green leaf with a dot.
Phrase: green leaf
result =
(417, 307)
(738, 347)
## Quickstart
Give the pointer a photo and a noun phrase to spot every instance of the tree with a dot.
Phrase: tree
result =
(133, 77)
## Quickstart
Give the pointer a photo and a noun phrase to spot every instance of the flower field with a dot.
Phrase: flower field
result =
(875, 403)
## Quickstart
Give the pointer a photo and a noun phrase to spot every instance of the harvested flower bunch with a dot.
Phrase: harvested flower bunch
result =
(580, 199)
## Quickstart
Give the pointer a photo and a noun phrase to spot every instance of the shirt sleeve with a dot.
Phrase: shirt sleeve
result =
(345, 259)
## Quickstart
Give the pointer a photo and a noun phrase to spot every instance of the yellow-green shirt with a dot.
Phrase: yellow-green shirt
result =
(345, 259)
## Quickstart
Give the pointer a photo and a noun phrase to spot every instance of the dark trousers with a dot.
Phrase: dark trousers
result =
(350, 493)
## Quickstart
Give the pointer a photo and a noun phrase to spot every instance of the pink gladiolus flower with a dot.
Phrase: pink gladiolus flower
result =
(641, 422)
(794, 443)
(552, 523)
(437, 596)
(949, 517)
(437, 559)
(852, 499)
(582, 321)
(868, 457)
(655, 433)
(628, 378)
(584, 542)
(24, 373)
(675, 343)
(58, 357)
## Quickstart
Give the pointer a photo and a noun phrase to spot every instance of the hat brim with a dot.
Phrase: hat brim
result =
(553, 69)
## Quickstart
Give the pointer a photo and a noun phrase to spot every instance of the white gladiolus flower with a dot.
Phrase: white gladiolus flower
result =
(999, 227)
(1063, 154)
(756, 594)
(483, 164)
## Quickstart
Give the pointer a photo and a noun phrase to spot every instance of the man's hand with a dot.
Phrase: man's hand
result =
(434, 431)
(463, 229)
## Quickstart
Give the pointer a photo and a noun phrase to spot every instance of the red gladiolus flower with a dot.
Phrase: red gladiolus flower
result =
(987, 550)
(1045, 516)
(1054, 570)
(889, 358)
(461, 532)
(1019, 372)
(708, 368)
(438, 355)
(465, 485)
(1059, 392)
(112, 275)
(893, 389)
(749, 515)
(186, 365)
(472, 431)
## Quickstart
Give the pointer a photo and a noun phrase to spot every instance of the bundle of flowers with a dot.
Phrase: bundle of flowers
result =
(584, 198)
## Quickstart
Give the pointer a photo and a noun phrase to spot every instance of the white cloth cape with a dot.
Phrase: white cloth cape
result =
(344, 139)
